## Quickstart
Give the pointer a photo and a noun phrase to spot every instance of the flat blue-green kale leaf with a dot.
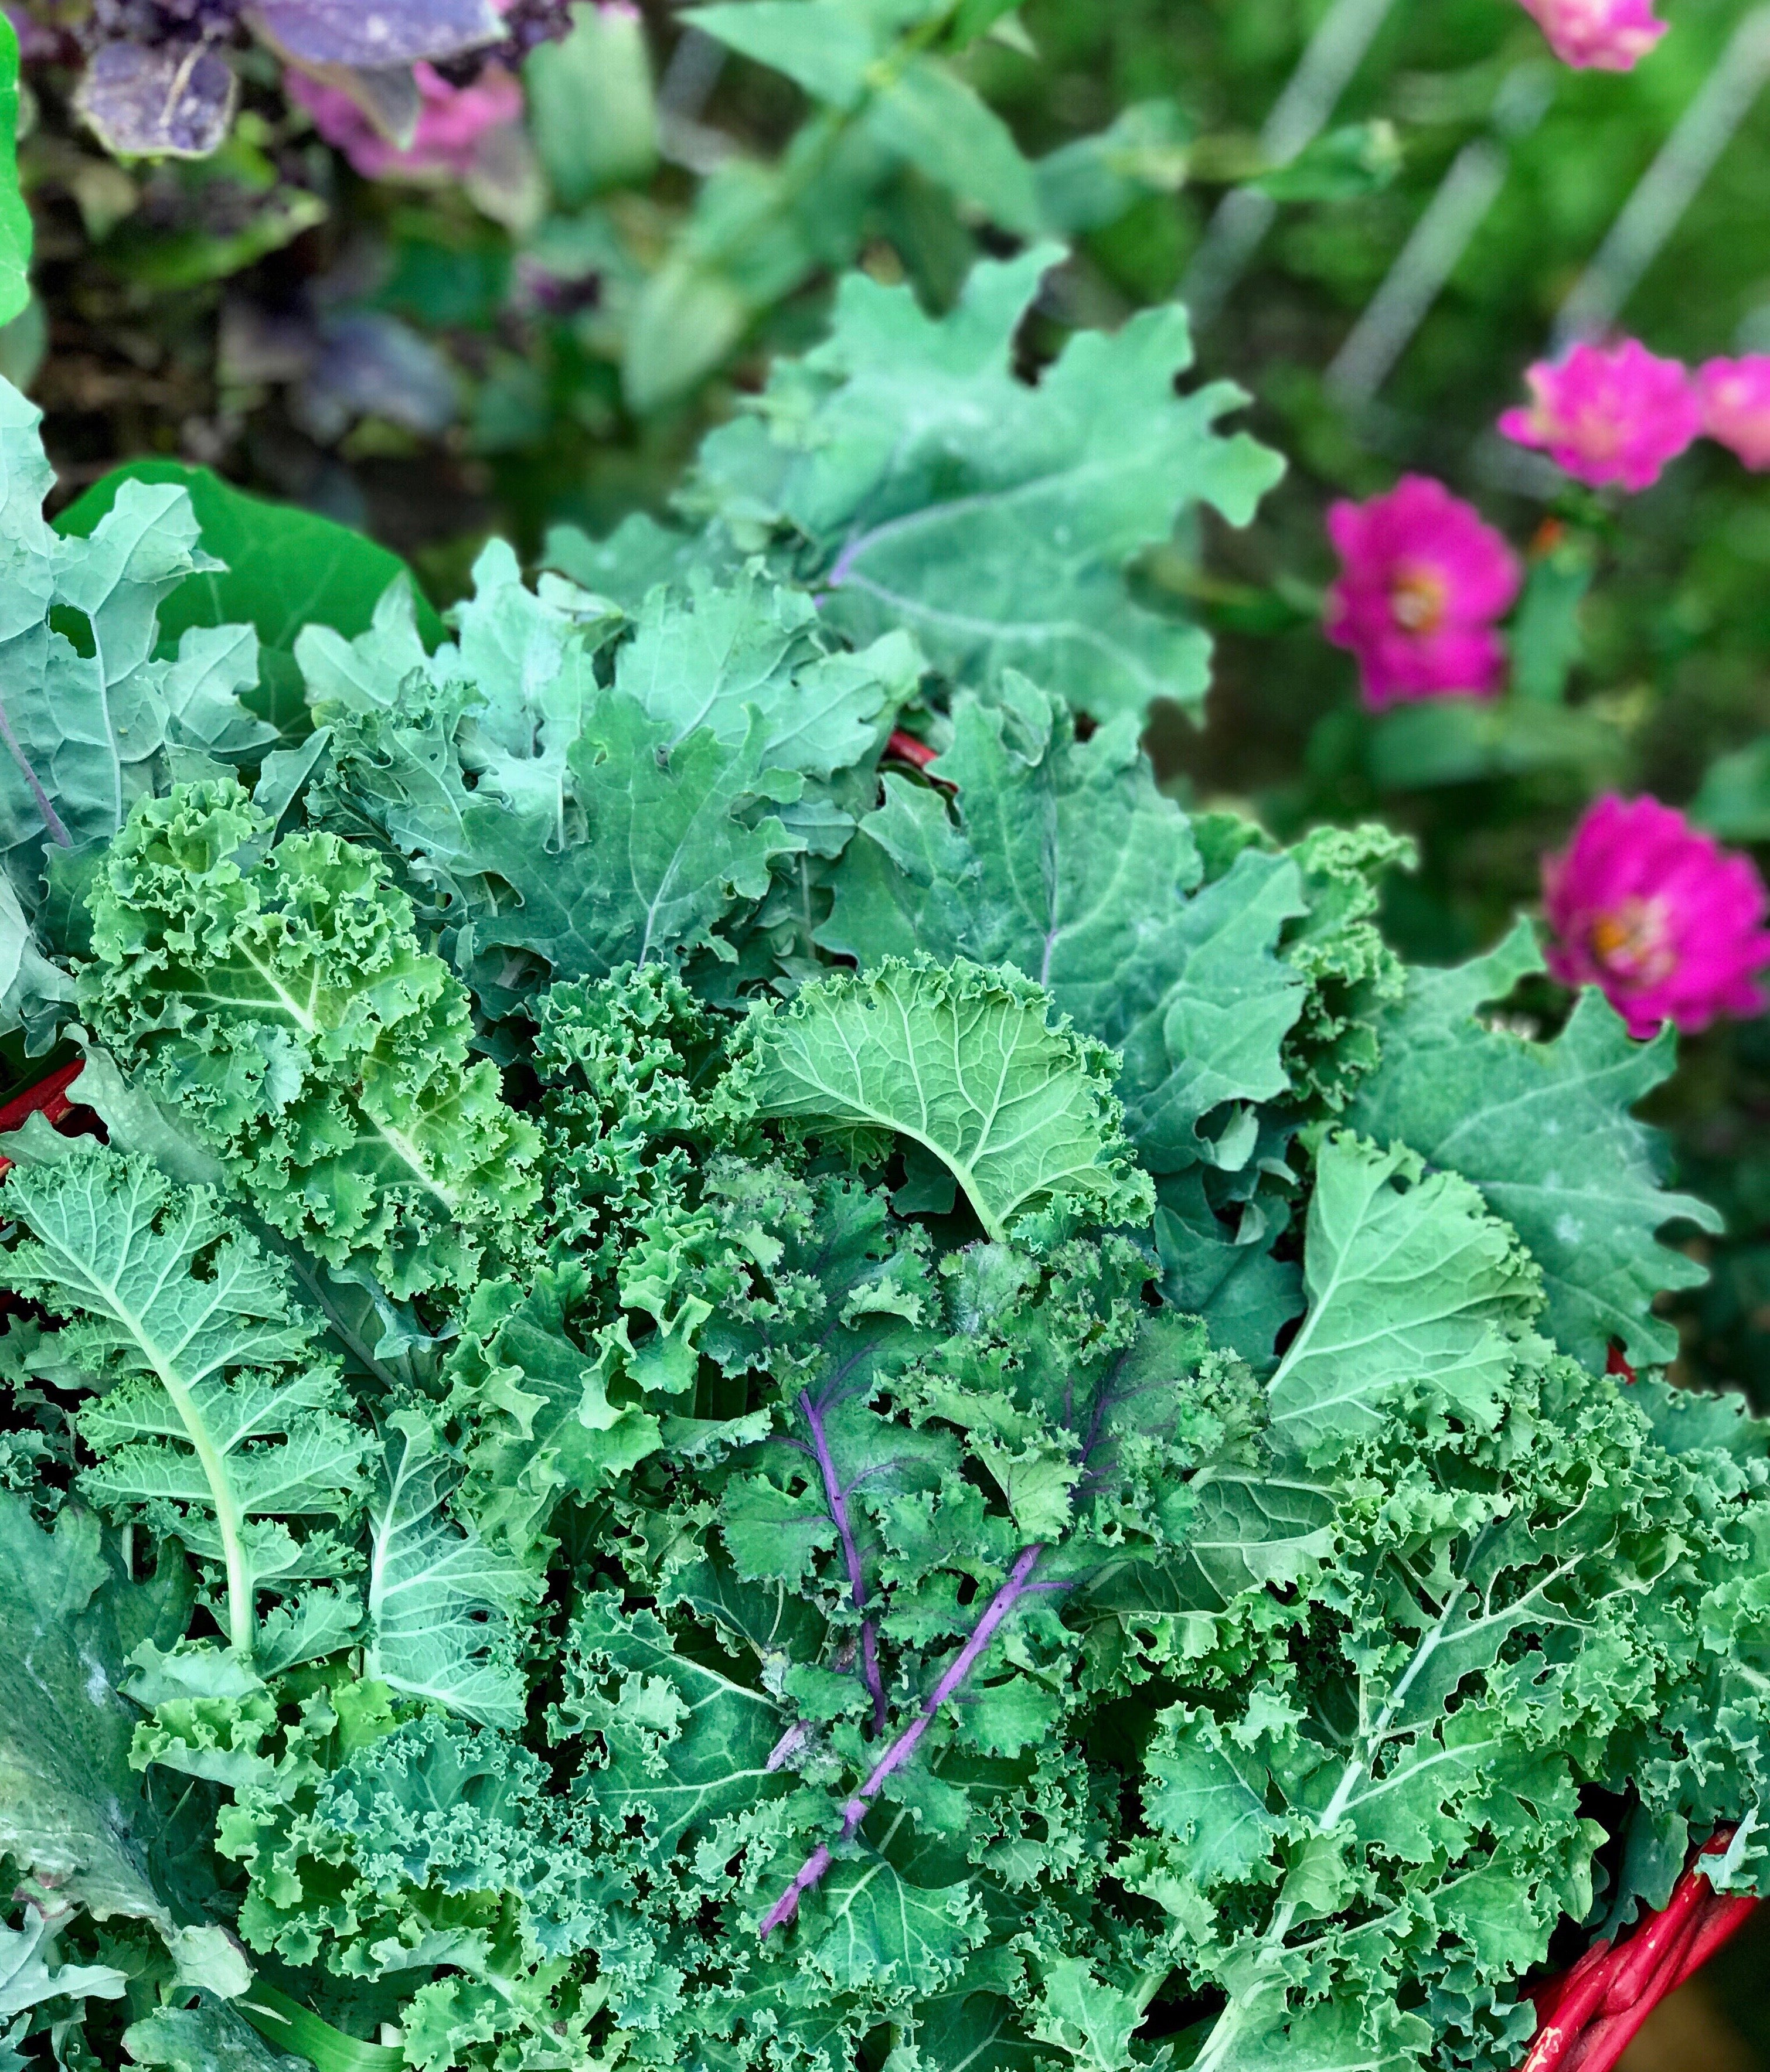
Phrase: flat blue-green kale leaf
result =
(1061, 858)
(210, 2037)
(569, 790)
(1546, 1131)
(680, 834)
(92, 717)
(64, 1730)
(35, 994)
(908, 470)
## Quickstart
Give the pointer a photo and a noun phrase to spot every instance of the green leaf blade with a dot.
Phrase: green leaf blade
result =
(1545, 1130)
(994, 520)
(192, 1328)
(964, 1062)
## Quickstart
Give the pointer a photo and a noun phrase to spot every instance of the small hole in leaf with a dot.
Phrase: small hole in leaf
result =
(75, 627)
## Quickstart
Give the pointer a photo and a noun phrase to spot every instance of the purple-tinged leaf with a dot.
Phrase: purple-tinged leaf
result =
(386, 32)
(374, 366)
(174, 101)
(904, 1746)
(387, 94)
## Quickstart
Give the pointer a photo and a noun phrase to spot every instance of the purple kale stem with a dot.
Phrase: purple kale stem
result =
(789, 1745)
(1019, 1584)
(836, 1497)
(869, 1662)
(905, 1745)
(842, 568)
(50, 818)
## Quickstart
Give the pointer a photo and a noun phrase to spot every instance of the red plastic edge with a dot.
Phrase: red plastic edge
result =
(907, 749)
(1588, 2016)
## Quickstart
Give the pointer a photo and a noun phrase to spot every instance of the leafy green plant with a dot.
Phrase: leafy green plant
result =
(817, 1385)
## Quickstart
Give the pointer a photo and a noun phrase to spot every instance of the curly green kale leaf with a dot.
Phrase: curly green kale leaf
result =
(1353, 974)
(855, 1711)
(1066, 862)
(627, 1064)
(279, 997)
(1509, 1613)
(442, 1604)
(876, 1602)
(431, 1846)
(530, 1390)
(965, 1063)
(564, 1381)
(925, 485)
(1545, 1131)
(220, 1420)
(1004, 1596)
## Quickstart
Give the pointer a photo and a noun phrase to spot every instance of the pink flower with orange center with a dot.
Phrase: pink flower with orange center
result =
(1422, 581)
(1735, 395)
(1597, 35)
(1608, 413)
(1668, 925)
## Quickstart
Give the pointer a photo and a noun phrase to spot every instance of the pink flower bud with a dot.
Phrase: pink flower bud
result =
(1597, 35)
(1608, 413)
(1653, 912)
(1422, 582)
(1736, 396)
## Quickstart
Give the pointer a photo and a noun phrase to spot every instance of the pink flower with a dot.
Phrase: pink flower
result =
(1608, 413)
(1736, 396)
(1650, 910)
(449, 125)
(1423, 581)
(1599, 36)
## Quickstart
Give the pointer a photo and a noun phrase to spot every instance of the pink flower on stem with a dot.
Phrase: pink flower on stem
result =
(1608, 413)
(451, 123)
(1423, 580)
(1668, 925)
(1597, 35)
(1736, 396)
